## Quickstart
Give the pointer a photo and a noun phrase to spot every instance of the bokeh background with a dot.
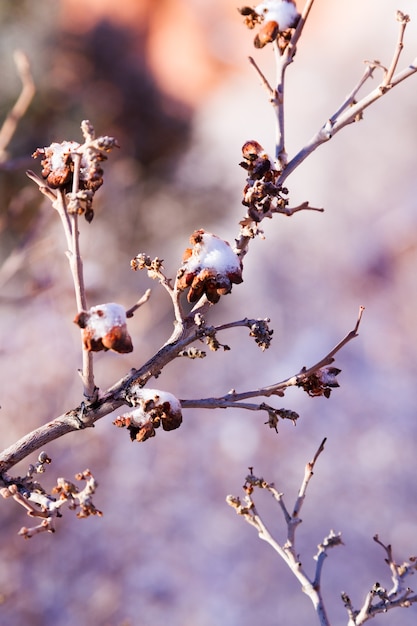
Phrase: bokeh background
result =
(171, 81)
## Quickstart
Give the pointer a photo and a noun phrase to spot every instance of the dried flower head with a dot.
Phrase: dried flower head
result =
(59, 161)
(321, 383)
(104, 328)
(261, 194)
(210, 268)
(275, 17)
(153, 409)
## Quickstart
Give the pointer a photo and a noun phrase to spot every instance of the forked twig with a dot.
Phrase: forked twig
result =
(346, 115)
(287, 551)
(231, 398)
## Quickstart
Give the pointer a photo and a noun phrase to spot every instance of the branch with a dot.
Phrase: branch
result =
(403, 19)
(301, 379)
(378, 599)
(283, 59)
(288, 552)
(21, 105)
(77, 271)
(346, 115)
(142, 300)
(85, 415)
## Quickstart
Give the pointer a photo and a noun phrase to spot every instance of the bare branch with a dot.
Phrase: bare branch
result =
(263, 78)
(283, 59)
(308, 473)
(403, 19)
(288, 551)
(21, 105)
(231, 398)
(143, 300)
(378, 599)
(347, 116)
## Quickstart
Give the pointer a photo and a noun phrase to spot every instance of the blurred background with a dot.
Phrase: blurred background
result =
(172, 82)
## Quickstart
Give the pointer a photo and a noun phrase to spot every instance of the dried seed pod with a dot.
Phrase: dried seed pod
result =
(154, 408)
(105, 328)
(59, 161)
(267, 34)
(210, 267)
(276, 17)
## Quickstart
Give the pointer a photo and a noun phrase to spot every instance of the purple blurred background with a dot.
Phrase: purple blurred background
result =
(173, 84)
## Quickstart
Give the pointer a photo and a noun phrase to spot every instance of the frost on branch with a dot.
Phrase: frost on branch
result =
(104, 328)
(276, 18)
(154, 408)
(210, 268)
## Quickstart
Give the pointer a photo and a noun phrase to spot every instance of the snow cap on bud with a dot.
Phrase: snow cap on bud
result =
(275, 17)
(283, 12)
(104, 328)
(57, 162)
(153, 409)
(210, 267)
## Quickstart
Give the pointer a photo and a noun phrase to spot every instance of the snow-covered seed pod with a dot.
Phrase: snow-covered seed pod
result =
(210, 267)
(153, 408)
(57, 162)
(283, 12)
(104, 328)
(275, 17)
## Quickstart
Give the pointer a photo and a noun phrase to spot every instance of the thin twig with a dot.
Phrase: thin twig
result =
(230, 399)
(47, 191)
(288, 551)
(403, 19)
(142, 300)
(283, 59)
(300, 27)
(350, 99)
(21, 105)
(60, 205)
(76, 264)
(308, 473)
(347, 116)
(263, 78)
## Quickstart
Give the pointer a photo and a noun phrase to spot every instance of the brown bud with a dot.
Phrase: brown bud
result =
(268, 33)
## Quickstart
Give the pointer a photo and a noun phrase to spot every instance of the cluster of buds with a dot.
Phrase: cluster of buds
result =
(261, 194)
(261, 332)
(104, 328)
(154, 408)
(153, 266)
(47, 507)
(320, 383)
(78, 498)
(209, 268)
(59, 161)
(276, 17)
